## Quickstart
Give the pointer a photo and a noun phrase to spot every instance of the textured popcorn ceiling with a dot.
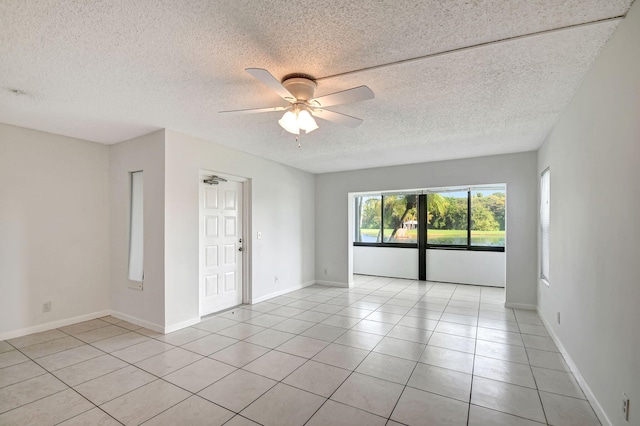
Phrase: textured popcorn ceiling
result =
(108, 71)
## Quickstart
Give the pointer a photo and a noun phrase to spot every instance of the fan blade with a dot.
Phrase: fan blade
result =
(271, 82)
(336, 117)
(360, 93)
(254, 110)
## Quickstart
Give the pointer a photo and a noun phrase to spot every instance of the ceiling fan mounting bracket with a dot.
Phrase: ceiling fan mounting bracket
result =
(302, 88)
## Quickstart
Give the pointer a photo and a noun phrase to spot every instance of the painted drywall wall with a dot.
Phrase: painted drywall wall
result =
(594, 155)
(449, 266)
(146, 306)
(334, 231)
(466, 267)
(54, 229)
(386, 262)
(282, 210)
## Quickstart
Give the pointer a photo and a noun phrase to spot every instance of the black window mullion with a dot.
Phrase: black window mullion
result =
(381, 219)
(468, 219)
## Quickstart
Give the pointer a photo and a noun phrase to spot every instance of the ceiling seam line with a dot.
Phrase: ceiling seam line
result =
(475, 46)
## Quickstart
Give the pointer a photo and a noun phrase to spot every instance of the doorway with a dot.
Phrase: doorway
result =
(223, 248)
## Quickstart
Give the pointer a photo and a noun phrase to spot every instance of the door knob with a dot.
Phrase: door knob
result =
(240, 249)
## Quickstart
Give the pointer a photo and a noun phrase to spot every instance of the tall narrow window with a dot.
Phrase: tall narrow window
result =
(545, 198)
(447, 218)
(136, 229)
(368, 219)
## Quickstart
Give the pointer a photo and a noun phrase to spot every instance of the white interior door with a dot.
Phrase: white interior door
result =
(220, 246)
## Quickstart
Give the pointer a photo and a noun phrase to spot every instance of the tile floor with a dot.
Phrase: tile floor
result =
(387, 351)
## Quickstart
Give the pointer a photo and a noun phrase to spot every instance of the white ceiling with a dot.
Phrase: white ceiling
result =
(110, 70)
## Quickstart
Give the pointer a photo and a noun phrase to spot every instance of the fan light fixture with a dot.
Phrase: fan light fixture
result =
(296, 119)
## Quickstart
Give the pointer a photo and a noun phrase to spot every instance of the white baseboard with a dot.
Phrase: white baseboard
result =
(574, 369)
(526, 306)
(137, 321)
(181, 325)
(255, 300)
(52, 324)
(332, 283)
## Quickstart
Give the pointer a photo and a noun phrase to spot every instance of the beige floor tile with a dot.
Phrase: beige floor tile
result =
(369, 394)
(120, 341)
(12, 357)
(100, 333)
(294, 326)
(283, 405)
(558, 382)
(47, 411)
(443, 381)
(539, 342)
(447, 358)
(241, 331)
(566, 411)
(275, 365)
(324, 332)
(302, 346)
(480, 416)
(386, 367)
(507, 398)
(36, 338)
(374, 327)
(167, 362)
(500, 336)
(501, 351)
(69, 357)
(411, 334)
(182, 337)
(112, 385)
(336, 414)
(546, 359)
(144, 350)
(19, 372)
(144, 403)
(84, 326)
(27, 391)
(209, 344)
(200, 374)
(5, 347)
(359, 339)
(417, 407)
(453, 342)
(51, 347)
(265, 320)
(400, 348)
(504, 371)
(270, 338)
(90, 369)
(94, 417)
(193, 411)
(341, 356)
(237, 390)
(215, 324)
(318, 378)
(418, 322)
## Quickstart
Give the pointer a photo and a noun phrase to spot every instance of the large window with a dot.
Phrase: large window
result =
(545, 198)
(388, 218)
(471, 218)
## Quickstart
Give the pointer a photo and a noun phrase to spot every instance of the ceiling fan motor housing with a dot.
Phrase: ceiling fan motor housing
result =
(302, 88)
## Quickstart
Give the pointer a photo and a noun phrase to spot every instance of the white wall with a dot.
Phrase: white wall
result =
(466, 267)
(518, 171)
(594, 155)
(449, 266)
(54, 229)
(283, 210)
(146, 306)
(386, 262)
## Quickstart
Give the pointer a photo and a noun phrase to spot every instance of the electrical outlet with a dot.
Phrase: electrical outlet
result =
(625, 406)
(558, 317)
(46, 307)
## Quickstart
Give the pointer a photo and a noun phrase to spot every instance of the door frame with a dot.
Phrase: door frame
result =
(246, 231)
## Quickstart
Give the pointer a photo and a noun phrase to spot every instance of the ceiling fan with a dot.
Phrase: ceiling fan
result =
(299, 90)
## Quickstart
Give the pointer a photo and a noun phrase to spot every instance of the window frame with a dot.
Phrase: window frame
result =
(465, 247)
(545, 195)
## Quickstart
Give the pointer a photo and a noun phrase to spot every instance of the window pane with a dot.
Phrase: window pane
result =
(545, 199)
(488, 217)
(136, 229)
(400, 218)
(447, 218)
(368, 219)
